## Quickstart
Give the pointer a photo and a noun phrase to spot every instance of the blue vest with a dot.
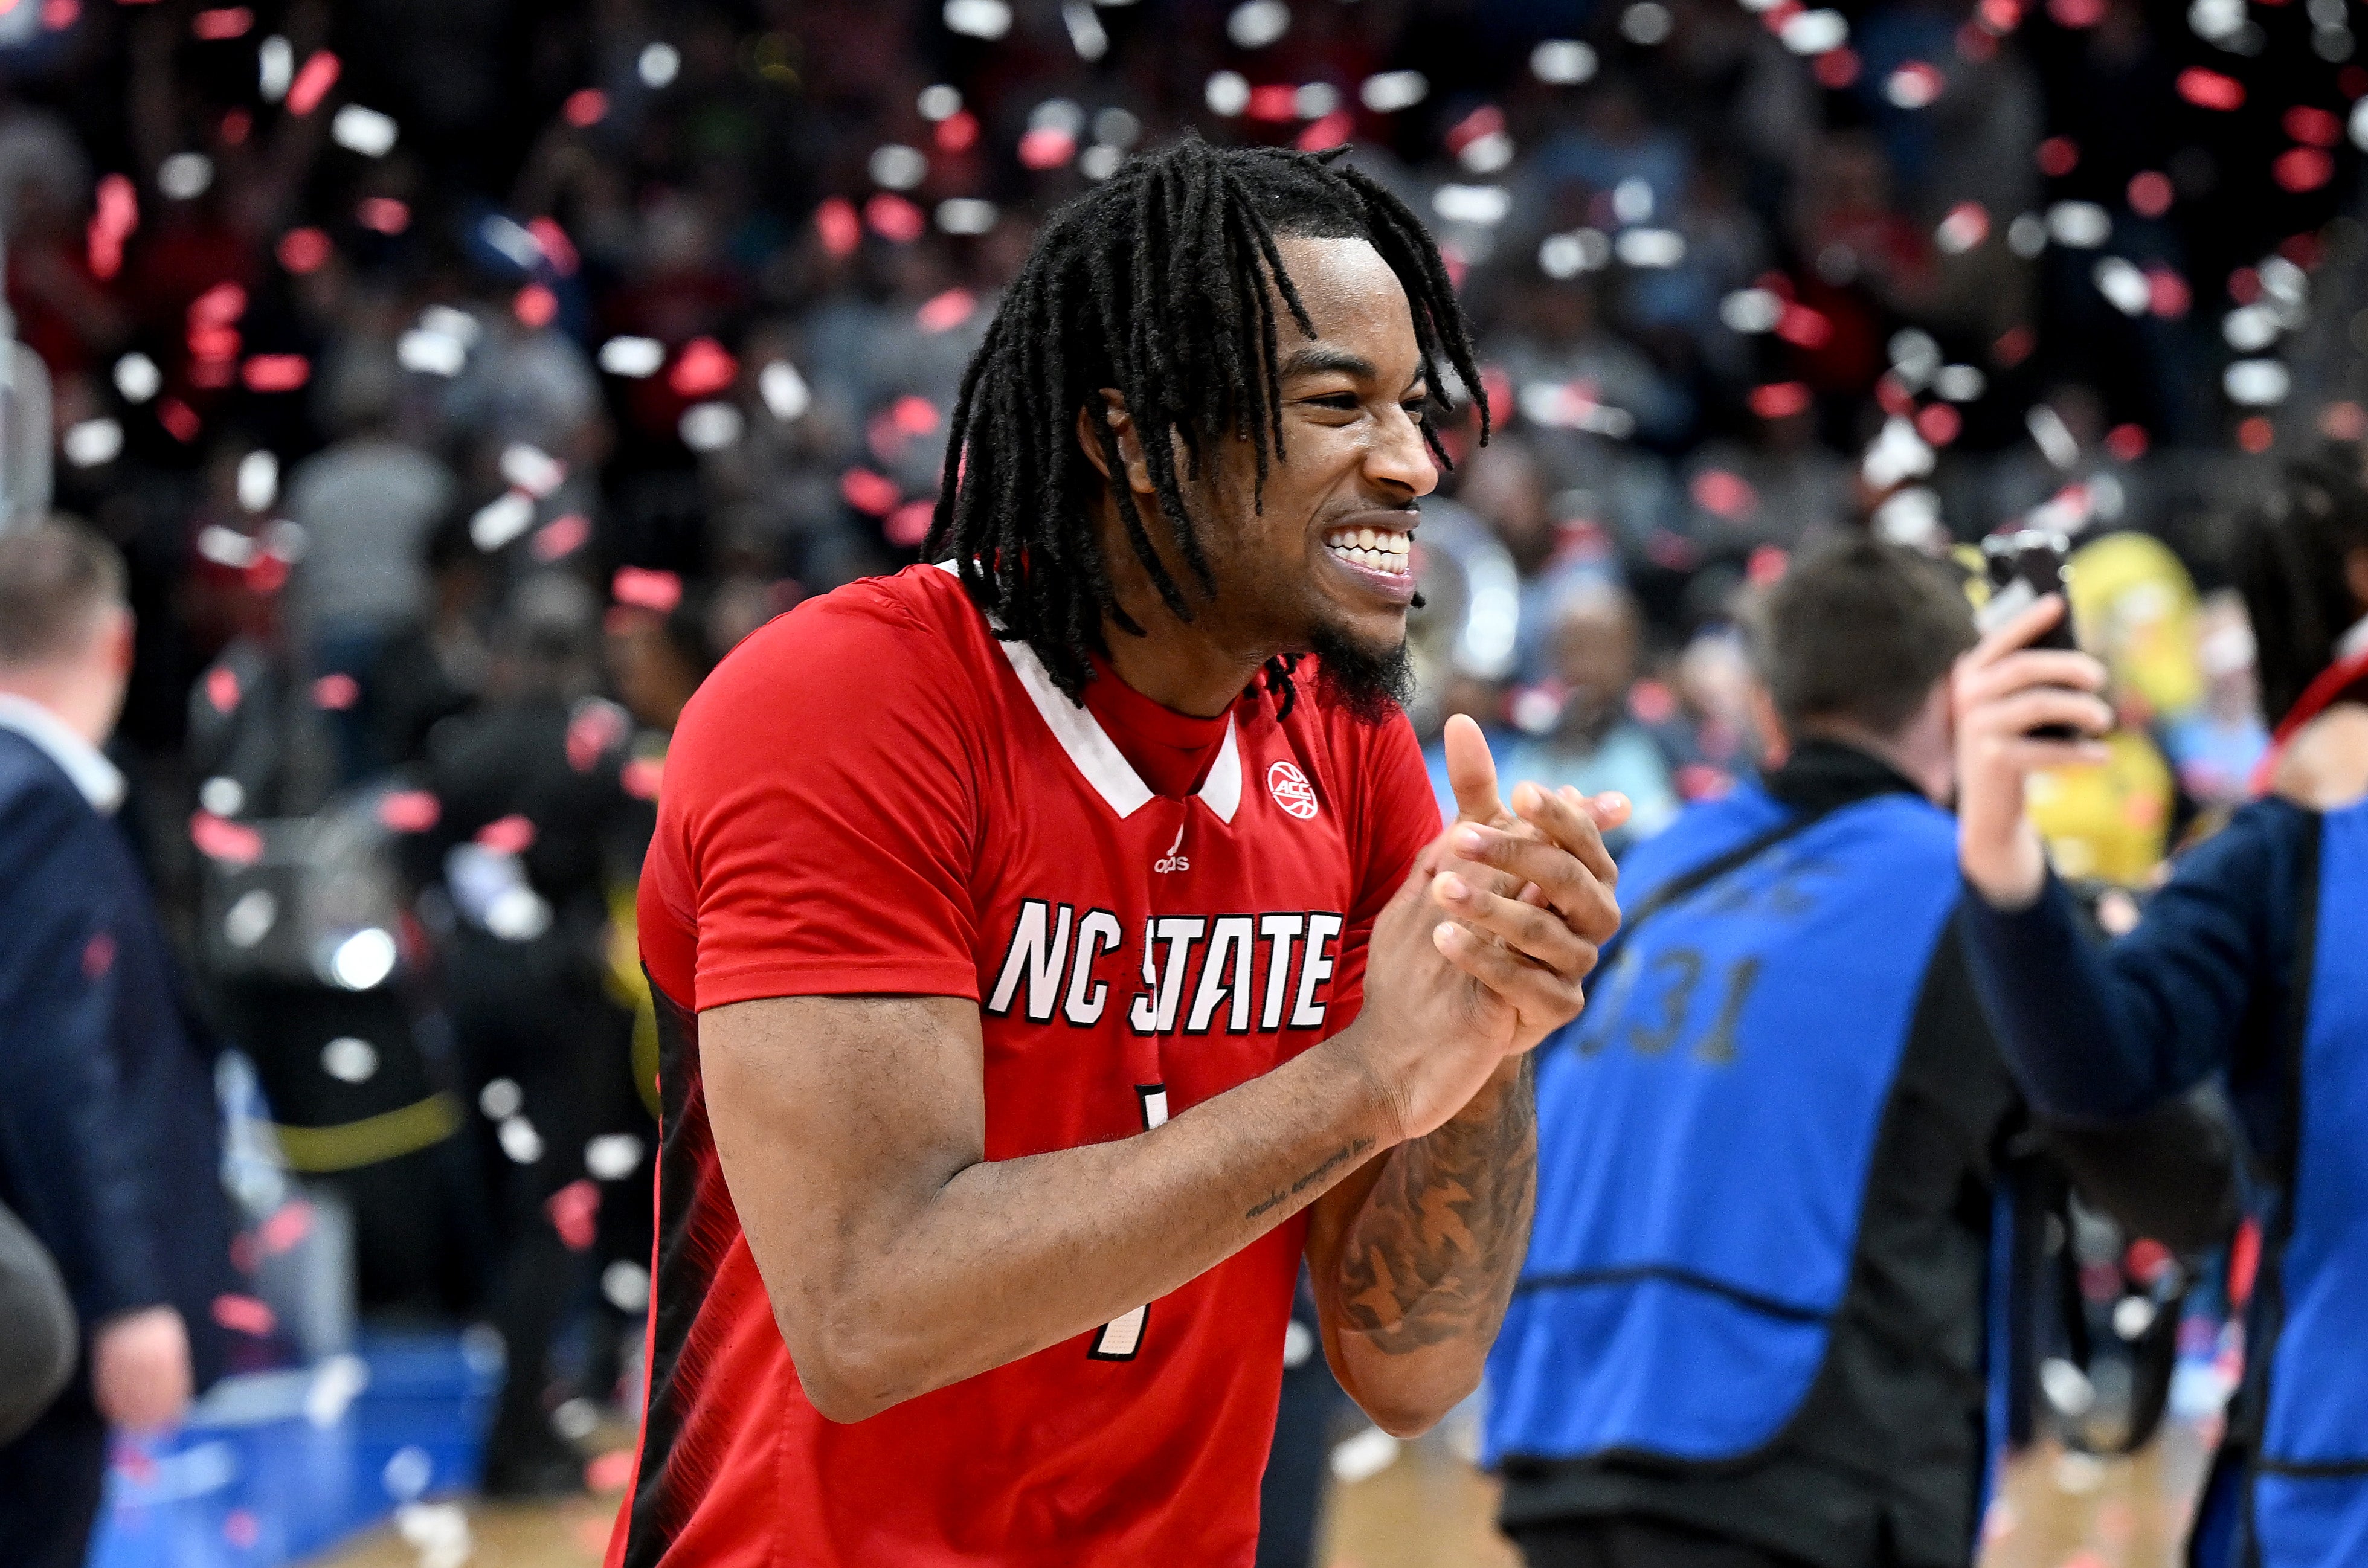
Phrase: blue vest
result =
(2310, 1482)
(1705, 1129)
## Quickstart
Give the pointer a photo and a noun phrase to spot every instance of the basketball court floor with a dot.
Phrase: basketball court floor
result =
(360, 1461)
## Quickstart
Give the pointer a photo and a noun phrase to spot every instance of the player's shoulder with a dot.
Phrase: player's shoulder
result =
(908, 631)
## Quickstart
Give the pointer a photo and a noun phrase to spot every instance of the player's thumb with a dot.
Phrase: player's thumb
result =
(1471, 771)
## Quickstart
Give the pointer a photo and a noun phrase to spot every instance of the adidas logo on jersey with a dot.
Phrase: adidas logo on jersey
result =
(1174, 859)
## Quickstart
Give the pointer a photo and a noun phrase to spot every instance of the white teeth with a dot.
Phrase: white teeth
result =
(1388, 555)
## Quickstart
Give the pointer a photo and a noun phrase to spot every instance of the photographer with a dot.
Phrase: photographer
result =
(1764, 1291)
(2251, 964)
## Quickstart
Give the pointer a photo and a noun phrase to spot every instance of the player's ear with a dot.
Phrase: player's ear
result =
(1130, 445)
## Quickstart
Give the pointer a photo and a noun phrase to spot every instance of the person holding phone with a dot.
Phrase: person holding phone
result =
(2251, 966)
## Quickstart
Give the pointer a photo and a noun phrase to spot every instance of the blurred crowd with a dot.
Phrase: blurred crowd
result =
(461, 382)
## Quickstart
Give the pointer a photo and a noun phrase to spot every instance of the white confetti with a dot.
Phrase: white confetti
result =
(1391, 91)
(1563, 62)
(711, 426)
(92, 442)
(1256, 23)
(632, 357)
(501, 520)
(989, 20)
(184, 177)
(659, 65)
(785, 392)
(259, 481)
(137, 378)
(349, 1059)
(363, 130)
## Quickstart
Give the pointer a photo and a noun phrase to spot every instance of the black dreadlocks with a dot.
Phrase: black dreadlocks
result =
(1156, 284)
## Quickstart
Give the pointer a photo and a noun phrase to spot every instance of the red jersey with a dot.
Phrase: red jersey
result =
(874, 794)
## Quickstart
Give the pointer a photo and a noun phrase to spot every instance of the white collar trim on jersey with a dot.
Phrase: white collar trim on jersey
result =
(1097, 756)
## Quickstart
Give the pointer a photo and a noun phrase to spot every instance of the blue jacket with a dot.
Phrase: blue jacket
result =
(111, 1147)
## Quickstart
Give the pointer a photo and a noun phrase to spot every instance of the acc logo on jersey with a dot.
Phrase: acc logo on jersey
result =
(1291, 791)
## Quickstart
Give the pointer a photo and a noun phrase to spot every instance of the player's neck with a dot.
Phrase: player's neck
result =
(1179, 666)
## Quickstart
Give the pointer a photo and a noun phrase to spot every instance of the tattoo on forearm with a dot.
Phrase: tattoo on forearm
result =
(1434, 1252)
(1332, 1163)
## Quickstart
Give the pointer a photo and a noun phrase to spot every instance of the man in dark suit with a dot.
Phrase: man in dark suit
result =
(110, 1144)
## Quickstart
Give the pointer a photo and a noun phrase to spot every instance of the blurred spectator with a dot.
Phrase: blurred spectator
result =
(366, 505)
(1595, 742)
(110, 1145)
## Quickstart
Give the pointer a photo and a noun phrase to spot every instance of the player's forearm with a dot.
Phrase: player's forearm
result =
(1427, 1267)
(1009, 1257)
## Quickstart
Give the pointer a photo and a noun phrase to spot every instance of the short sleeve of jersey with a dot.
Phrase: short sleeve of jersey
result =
(1396, 818)
(818, 827)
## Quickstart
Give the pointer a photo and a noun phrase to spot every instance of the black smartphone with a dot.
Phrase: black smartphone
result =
(2025, 566)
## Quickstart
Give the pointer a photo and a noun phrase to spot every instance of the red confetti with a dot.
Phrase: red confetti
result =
(2315, 126)
(1802, 327)
(534, 306)
(2302, 168)
(610, 1472)
(944, 312)
(913, 416)
(641, 778)
(1277, 103)
(302, 251)
(383, 214)
(646, 589)
(2013, 346)
(2145, 1260)
(512, 834)
(893, 219)
(2150, 193)
(585, 107)
(2352, 82)
(410, 811)
(2244, 285)
(1724, 495)
(574, 1212)
(561, 537)
(1976, 43)
(836, 223)
(266, 574)
(958, 133)
(219, 838)
(2244, 1264)
(2255, 434)
(59, 15)
(1652, 701)
(2210, 89)
(111, 224)
(178, 418)
(245, 1314)
(240, 1530)
(2075, 14)
(1485, 120)
(2057, 156)
(1939, 424)
(908, 526)
(2343, 420)
(1048, 147)
(1891, 395)
(221, 688)
(703, 367)
(219, 306)
(312, 82)
(556, 246)
(1768, 564)
(1779, 400)
(2168, 294)
(873, 494)
(336, 692)
(1329, 131)
(98, 956)
(1837, 68)
(234, 127)
(288, 1225)
(225, 22)
(597, 726)
(2127, 442)
(277, 372)
(2001, 15)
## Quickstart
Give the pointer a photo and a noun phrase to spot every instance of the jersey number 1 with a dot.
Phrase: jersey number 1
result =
(1121, 1337)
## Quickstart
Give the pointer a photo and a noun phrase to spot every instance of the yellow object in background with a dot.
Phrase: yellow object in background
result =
(2135, 607)
(2111, 822)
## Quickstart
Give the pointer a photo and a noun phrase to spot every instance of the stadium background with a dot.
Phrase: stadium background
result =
(374, 326)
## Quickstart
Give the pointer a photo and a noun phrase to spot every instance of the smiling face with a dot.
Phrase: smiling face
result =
(1321, 559)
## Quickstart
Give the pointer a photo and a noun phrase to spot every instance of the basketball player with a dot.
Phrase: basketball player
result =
(1051, 952)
